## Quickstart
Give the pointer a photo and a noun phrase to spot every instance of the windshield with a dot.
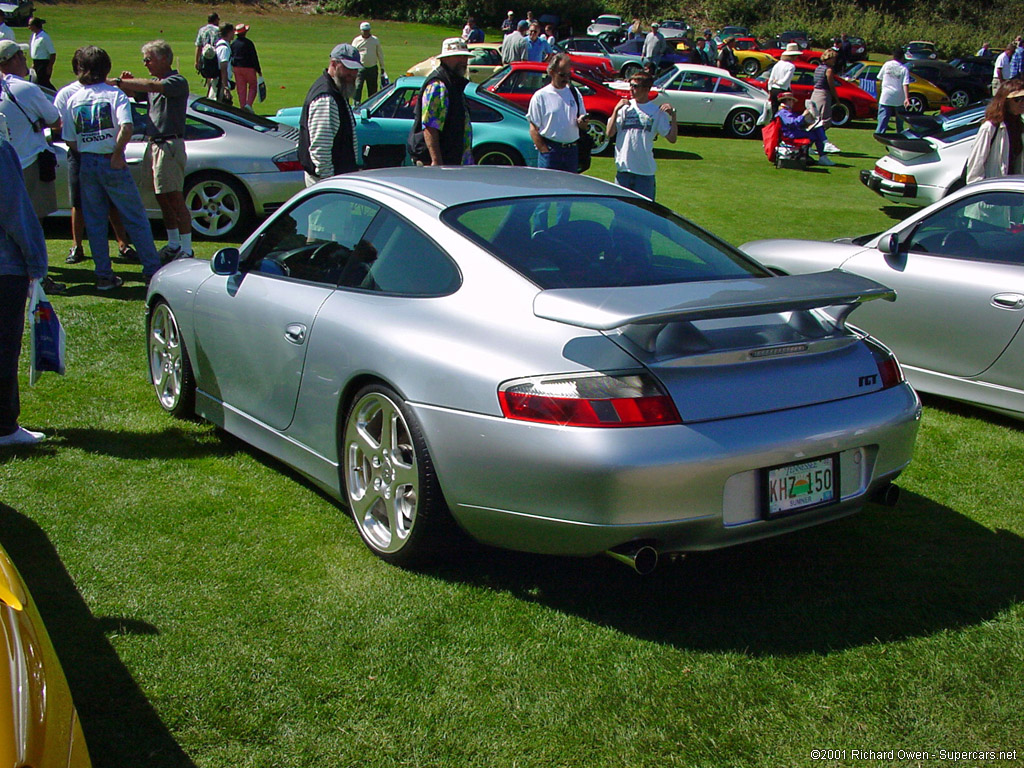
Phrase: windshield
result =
(598, 242)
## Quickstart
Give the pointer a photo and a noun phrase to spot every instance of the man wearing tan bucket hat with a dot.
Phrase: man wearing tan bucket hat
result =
(442, 133)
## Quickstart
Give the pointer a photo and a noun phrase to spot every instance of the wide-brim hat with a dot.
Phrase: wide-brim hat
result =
(1015, 94)
(792, 49)
(787, 96)
(241, 29)
(454, 46)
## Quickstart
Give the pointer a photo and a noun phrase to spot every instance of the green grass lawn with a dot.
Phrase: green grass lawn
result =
(213, 609)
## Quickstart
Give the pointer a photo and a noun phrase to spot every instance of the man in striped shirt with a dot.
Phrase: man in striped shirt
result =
(327, 130)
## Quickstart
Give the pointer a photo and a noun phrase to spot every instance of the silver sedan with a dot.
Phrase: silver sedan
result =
(240, 166)
(958, 269)
(545, 360)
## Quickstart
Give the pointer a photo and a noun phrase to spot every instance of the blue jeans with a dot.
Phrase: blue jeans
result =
(645, 185)
(103, 186)
(885, 113)
(560, 158)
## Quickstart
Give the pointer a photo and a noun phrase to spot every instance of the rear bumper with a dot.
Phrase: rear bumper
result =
(897, 191)
(692, 487)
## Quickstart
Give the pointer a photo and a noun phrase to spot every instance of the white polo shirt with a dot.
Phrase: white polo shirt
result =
(554, 112)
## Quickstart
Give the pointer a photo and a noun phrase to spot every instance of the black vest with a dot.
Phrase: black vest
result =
(453, 133)
(343, 153)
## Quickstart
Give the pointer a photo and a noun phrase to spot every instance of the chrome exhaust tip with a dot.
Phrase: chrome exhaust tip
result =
(643, 559)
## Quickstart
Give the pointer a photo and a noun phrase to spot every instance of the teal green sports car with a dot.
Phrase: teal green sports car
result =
(501, 132)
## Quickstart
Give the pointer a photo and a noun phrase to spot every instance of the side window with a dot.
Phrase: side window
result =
(723, 85)
(508, 85)
(400, 104)
(985, 227)
(395, 257)
(693, 81)
(480, 113)
(319, 240)
(197, 129)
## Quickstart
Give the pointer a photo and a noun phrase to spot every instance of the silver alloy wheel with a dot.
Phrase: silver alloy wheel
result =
(916, 104)
(752, 67)
(169, 367)
(381, 472)
(841, 114)
(217, 206)
(959, 98)
(742, 123)
(598, 131)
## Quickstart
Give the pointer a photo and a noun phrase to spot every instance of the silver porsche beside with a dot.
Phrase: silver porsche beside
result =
(958, 268)
(545, 360)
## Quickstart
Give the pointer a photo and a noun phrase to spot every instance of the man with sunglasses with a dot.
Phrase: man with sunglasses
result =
(167, 91)
(557, 116)
(634, 124)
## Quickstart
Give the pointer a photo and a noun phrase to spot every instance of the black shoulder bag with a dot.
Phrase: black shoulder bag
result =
(586, 143)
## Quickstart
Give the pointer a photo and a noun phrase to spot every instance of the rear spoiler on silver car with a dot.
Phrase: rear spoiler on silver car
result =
(604, 309)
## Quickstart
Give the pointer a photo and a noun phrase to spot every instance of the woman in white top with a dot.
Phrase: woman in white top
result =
(997, 149)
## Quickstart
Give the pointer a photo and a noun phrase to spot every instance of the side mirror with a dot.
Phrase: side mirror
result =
(889, 244)
(364, 114)
(225, 261)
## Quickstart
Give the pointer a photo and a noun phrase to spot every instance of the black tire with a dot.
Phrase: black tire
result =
(842, 114)
(220, 206)
(629, 69)
(170, 370)
(742, 123)
(959, 98)
(815, 62)
(392, 491)
(751, 67)
(916, 104)
(496, 154)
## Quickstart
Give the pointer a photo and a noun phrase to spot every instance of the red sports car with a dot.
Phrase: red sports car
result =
(518, 81)
(854, 102)
(809, 55)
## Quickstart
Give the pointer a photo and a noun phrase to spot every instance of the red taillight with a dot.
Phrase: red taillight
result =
(627, 400)
(889, 372)
(288, 165)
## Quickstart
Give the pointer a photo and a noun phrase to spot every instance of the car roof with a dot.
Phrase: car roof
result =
(704, 68)
(444, 187)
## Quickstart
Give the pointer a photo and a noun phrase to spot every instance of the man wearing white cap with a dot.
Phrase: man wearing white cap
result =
(442, 118)
(781, 76)
(371, 54)
(508, 26)
(327, 130)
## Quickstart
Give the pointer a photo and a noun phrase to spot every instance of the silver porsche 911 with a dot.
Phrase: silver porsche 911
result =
(548, 361)
(958, 267)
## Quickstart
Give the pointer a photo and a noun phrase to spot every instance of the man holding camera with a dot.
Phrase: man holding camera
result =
(28, 112)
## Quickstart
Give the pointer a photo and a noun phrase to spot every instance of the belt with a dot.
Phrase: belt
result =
(559, 143)
(168, 137)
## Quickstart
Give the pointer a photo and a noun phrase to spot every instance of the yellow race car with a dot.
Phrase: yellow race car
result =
(924, 97)
(39, 725)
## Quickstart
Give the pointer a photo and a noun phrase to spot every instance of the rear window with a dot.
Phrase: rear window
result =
(598, 242)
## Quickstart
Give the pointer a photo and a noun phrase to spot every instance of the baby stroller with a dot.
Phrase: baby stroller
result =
(784, 152)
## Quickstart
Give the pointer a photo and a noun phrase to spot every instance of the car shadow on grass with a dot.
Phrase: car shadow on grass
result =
(898, 212)
(121, 727)
(168, 443)
(663, 153)
(883, 575)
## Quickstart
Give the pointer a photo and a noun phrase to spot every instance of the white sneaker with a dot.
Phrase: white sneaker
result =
(825, 160)
(22, 436)
(831, 148)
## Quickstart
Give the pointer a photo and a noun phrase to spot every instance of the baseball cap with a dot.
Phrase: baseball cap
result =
(241, 28)
(8, 50)
(510, 13)
(347, 55)
(787, 96)
(453, 46)
(365, 26)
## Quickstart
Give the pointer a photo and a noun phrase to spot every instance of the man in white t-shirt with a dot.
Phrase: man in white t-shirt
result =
(893, 91)
(226, 76)
(556, 114)
(1001, 69)
(635, 122)
(781, 75)
(43, 53)
(28, 111)
(98, 127)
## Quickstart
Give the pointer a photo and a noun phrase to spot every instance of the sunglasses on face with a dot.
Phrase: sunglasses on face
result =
(1017, 99)
(146, 60)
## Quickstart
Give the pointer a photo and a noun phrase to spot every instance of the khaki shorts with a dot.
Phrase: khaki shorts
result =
(166, 163)
(43, 194)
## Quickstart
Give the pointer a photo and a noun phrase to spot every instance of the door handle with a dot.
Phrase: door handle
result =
(295, 333)
(1008, 301)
